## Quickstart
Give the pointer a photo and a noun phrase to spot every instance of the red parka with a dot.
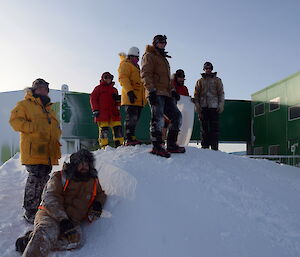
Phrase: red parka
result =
(180, 89)
(102, 99)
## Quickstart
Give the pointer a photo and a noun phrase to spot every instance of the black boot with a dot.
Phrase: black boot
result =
(160, 151)
(172, 146)
(23, 241)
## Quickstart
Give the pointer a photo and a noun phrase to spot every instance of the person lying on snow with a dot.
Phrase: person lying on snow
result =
(69, 197)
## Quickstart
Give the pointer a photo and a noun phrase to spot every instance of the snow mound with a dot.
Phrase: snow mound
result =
(201, 203)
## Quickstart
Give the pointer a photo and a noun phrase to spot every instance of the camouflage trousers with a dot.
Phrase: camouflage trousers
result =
(46, 237)
(37, 179)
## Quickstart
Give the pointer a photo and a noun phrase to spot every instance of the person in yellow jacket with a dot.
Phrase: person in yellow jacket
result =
(39, 131)
(133, 93)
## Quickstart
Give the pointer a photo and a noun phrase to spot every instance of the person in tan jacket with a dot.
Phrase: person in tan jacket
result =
(39, 131)
(209, 102)
(162, 97)
(133, 92)
(70, 197)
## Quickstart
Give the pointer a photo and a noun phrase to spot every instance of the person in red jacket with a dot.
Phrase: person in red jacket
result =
(105, 104)
(177, 82)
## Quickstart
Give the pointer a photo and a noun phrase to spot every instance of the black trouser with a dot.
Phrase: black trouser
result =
(210, 128)
(132, 117)
(38, 176)
(165, 106)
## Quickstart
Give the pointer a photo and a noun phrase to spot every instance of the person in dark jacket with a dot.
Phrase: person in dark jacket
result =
(70, 197)
(105, 104)
(162, 97)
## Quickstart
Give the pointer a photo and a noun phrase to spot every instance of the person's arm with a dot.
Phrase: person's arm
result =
(124, 77)
(220, 96)
(147, 72)
(94, 99)
(197, 96)
(52, 198)
(101, 196)
(19, 120)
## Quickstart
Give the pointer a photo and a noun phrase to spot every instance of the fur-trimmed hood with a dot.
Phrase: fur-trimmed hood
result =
(210, 75)
(82, 155)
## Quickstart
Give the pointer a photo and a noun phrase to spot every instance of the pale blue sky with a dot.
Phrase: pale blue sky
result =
(252, 44)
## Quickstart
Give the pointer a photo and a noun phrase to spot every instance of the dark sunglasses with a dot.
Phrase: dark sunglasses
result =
(107, 77)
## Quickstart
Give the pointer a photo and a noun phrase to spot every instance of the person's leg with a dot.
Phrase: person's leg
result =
(133, 114)
(44, 236)
(205, 128)
(37, 179)
(172, 112)
(157, 123)
(214, 129)
(117, 132)
(103, 133)
(63, 244)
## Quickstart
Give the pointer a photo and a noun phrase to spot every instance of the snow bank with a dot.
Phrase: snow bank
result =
(202, 203)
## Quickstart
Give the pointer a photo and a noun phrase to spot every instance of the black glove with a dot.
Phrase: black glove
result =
(152, 98)
(97, 209)
(175, 95)
(96, 113)
(68, 230)
(131, 96)
(116, 97)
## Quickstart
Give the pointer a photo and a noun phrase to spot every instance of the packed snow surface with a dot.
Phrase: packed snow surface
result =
(201, 203)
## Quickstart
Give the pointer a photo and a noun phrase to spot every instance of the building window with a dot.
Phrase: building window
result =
(274, 104)
(274, 149)
(258, 150)
(294, 112)
(259, 109)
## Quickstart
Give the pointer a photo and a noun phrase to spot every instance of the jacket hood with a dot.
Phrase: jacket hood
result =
(105, 74)
(151, 49)
(29, 96)
(211, 75)
(123, 57)
(82, 155)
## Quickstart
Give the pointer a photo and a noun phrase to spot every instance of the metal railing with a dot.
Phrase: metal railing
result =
(293, 160)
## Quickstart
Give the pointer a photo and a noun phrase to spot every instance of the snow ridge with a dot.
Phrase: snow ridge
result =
(201, 203)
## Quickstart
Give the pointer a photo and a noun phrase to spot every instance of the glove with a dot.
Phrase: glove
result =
(69, 231)
(152, 97)
(131, 96)
(220, 109)
(96, 209)
(175, 95)
(116, 97)
(96, 113)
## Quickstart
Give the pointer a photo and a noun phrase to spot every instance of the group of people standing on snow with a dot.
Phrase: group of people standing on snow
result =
(153, 82)
(58, 205)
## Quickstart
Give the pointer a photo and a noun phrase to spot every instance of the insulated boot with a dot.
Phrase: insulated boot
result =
(172, 146)
(160, 151)
(29, 216)
(132, 142)
(22, 242)
(175, 149)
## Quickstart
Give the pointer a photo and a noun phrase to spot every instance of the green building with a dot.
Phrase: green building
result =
(276, 118)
